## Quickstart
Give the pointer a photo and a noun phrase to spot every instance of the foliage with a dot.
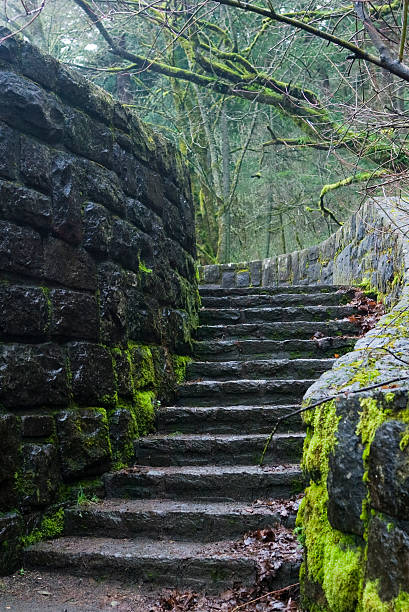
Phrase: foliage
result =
(271, 119)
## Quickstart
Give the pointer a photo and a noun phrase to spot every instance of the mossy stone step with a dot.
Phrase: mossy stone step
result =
(220, 449)
(257, 300)
(282, 330)
(182, 565)
(205, 483)
(215, 290)
(242, 392)
(245, 349)
(226, 419)
(218, 316)
(257, 368)
(178, 520)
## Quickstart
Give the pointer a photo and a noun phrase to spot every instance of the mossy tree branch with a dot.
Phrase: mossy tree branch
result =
(356, 178)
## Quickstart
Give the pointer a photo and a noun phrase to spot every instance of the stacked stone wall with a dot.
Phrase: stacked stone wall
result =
(364, 250)
(98, 288)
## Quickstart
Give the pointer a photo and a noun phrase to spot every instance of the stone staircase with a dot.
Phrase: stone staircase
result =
(173, 519)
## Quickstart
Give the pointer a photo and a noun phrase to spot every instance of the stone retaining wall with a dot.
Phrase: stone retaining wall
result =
(364, 250)
(98, 289)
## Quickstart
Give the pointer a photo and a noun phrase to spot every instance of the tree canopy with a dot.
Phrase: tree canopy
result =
(277, 108)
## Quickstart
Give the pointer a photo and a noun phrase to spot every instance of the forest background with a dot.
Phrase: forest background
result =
(289, 113)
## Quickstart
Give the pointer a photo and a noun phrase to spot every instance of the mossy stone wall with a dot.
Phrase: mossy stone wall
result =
(364, 250)
(98, 289)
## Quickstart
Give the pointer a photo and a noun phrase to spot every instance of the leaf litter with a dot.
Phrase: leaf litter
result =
(270, 548)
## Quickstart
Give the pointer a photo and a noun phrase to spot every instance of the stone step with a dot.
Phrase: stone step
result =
(257, 300)
(219, 316)
(217, 449)
(205, 483)
(283, 330)
(226, 419)
(223, 350)
(215, 290)
(159, 518)
(258, 368)
(214, 566)
(242, 392)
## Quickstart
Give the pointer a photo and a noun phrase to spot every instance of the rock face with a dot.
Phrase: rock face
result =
(98, 293)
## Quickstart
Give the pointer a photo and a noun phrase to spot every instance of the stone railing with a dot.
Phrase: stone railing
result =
(98, 289)
(363, 250)
(354, 519)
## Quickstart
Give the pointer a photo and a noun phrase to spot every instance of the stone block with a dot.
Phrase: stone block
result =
(129, 170)
(255, 273)
(388, 556)
(10, 442)
(24, 312)
(87, 137)
(228, 279)
(38, 66)
(66, 179)
(153, 191)
(130, 247)
(144, 218)
(123, 374)
(33, 375)
(93, 381)
(123, 430)
(37, 425)
(388, 480)
(35, 164)
(27, 107)
(76, 89)
(83, 442)
(25, 206)
(102, 185)
(284, 268)
(113, 299)
(346, 489)
(38, 481)
(21, 250)
(97, 229)
(9, 151)
(210, 274)
(74, 315)
(120, 116)
(11, 529)
(173, 223)
(68, 265)
(243, 278)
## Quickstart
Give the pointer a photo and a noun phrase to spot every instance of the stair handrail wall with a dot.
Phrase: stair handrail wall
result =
(367, 249)
(353, 520)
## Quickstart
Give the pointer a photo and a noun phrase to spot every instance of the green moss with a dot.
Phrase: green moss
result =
(144, 411)
(341, 576)
(371, 417)
(144, 269)
(143, 367)
(51, 526)
(179, 364)
(320, 440)
(332, 558)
